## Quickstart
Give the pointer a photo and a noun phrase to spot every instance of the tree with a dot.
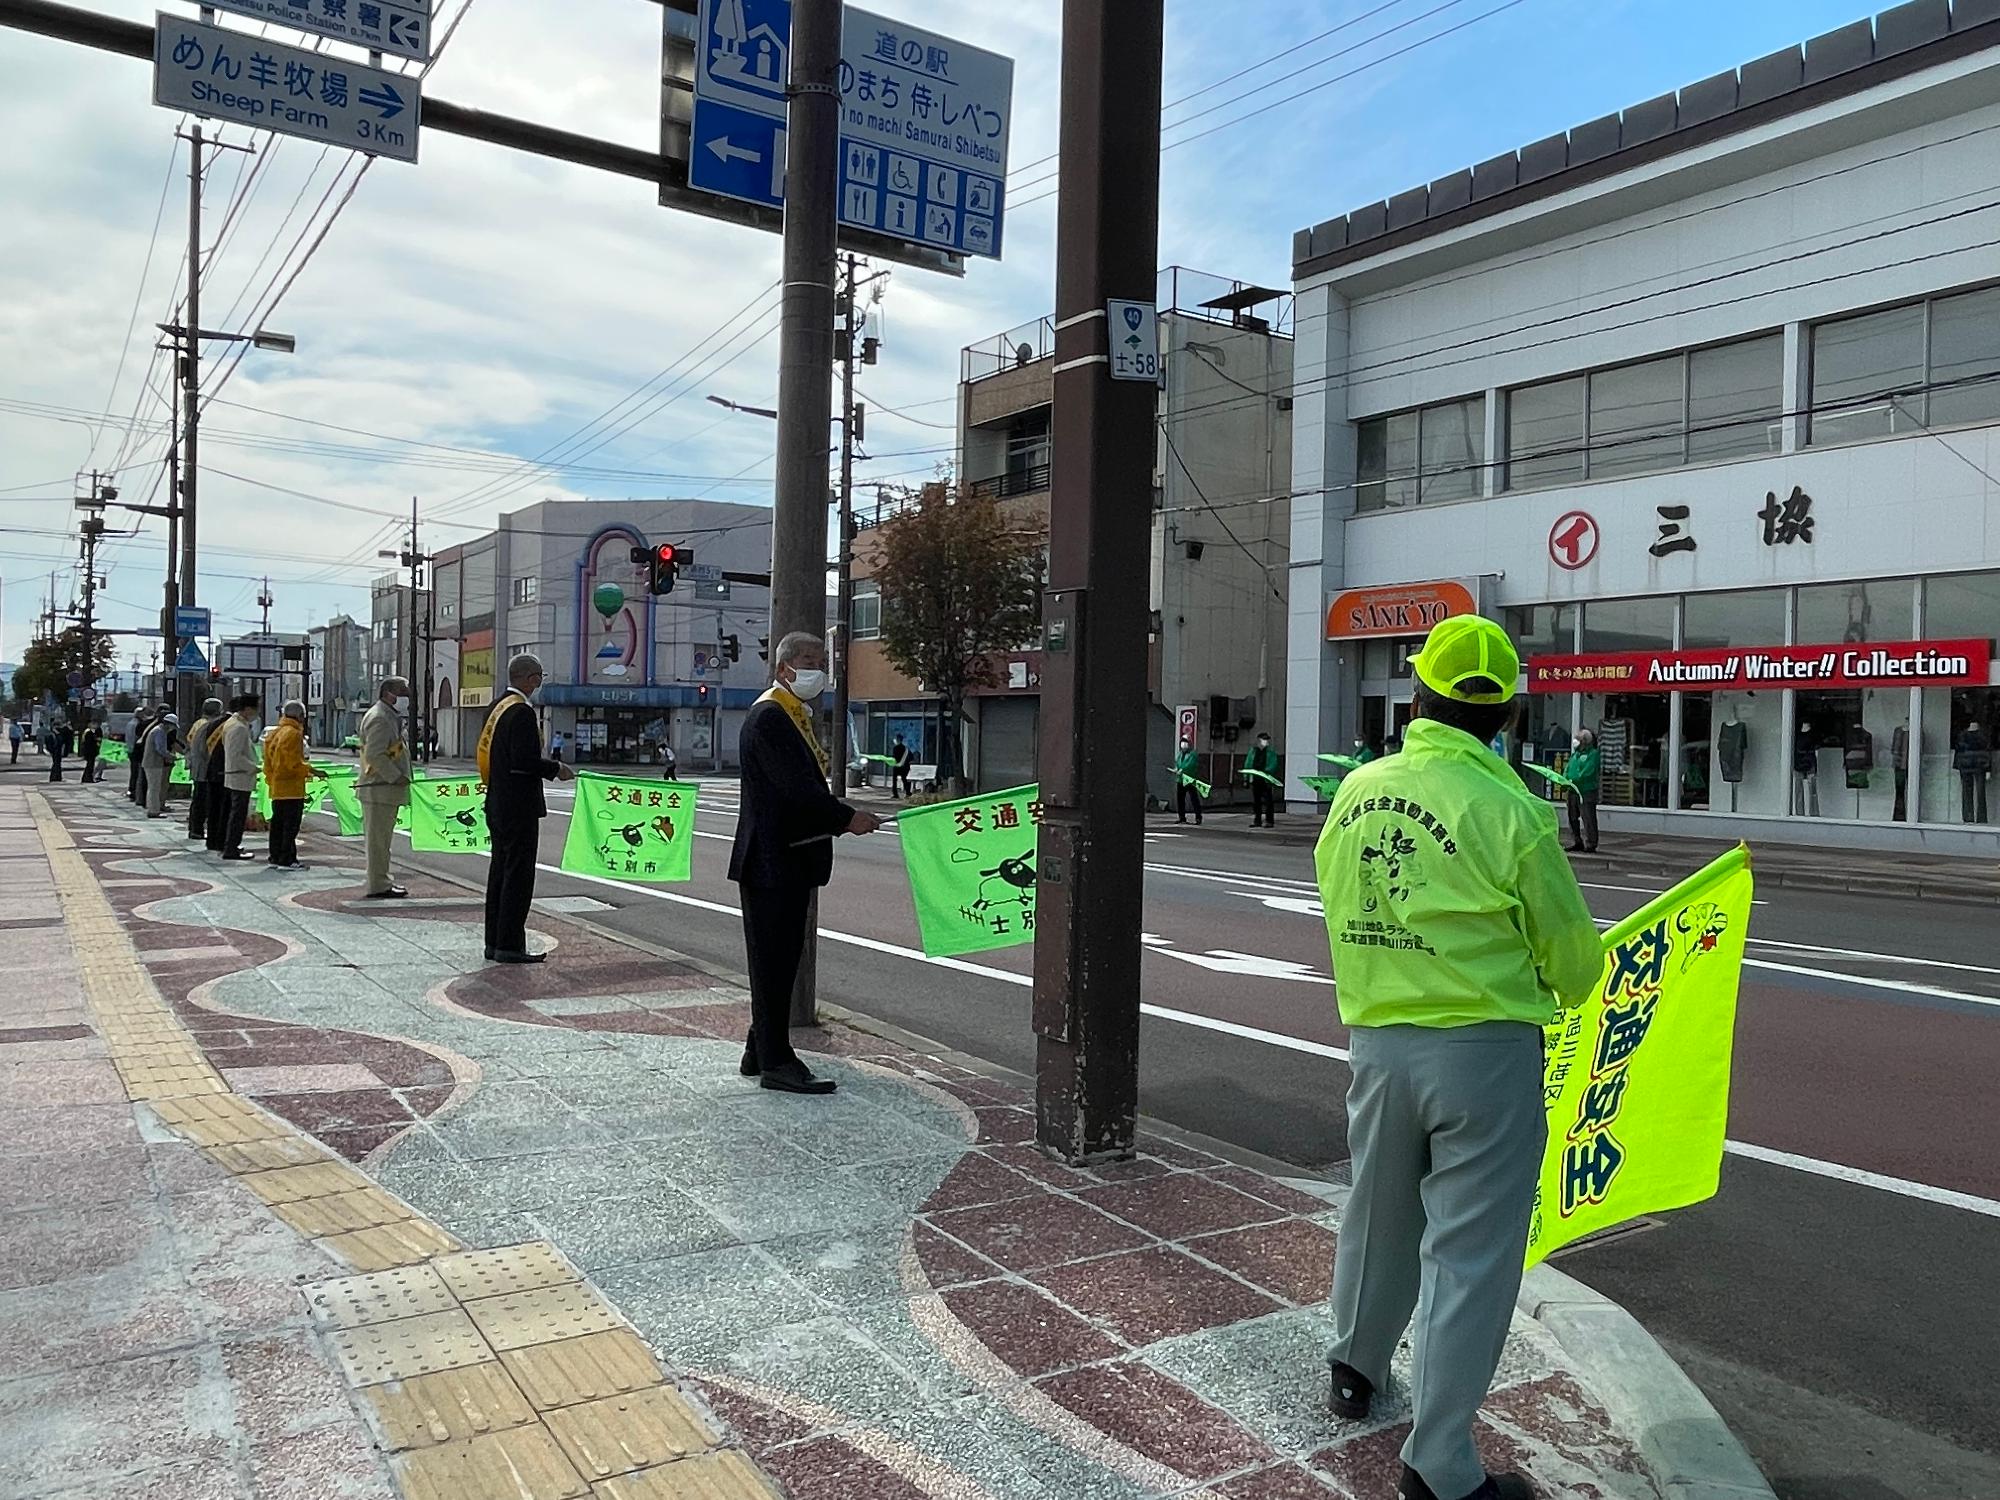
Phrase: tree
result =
(46, 665)
(961, 579)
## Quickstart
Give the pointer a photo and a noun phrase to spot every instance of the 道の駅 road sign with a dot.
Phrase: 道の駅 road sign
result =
(399, 26)
(245, 80)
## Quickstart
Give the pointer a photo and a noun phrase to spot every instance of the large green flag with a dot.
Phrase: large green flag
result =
(317, 787)
(179, 775)
(971, 865)
(345, 801)
(260, 797)
(1327, 786)
(448, 816)
(631, 830)
(113, 753)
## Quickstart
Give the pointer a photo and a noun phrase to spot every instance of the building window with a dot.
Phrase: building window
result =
(1421, 457)
(527, 590)
(1894, 372)
(866, 619)
(1701, 406)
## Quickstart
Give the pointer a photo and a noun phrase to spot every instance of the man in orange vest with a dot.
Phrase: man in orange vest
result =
(513, 767)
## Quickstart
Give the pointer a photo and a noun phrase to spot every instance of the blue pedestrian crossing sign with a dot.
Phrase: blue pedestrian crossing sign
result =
(924, 122)
(191, 660)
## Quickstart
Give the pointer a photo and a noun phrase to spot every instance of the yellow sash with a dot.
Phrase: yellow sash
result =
(801, 718)
(485, 752)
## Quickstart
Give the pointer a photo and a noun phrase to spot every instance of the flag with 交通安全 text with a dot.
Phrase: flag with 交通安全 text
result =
(641, 831)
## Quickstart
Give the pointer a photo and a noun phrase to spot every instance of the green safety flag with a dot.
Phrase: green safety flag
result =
(1345, 762)
(448, 815)
(631, 830)
(1326, 786)
(1637, 1077)
(113, 753)
(179, 775)
(346, 802)
(1554, 776)
(881, 760)
(971, 865)
(1264, 776)
(317, 787)
(260, 797)
(1194, 781)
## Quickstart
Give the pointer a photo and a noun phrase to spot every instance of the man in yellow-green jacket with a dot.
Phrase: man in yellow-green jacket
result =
(1457, 930)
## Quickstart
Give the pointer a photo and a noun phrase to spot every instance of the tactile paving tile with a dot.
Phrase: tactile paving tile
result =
(379, 1297)
(622, 1433)
(449, 1406)
(265, 1156)
(585, 1369)
(321, 1179)
(364, 1208)
(542, 1316)
(407, 1242)
(717, 1476)
(511, 1268)
(522, 1463)
(409, 1346)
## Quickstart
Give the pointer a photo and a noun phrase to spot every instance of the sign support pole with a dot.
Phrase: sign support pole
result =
(805, 361)
(842, 645)
(1093, 740)
(191, 419)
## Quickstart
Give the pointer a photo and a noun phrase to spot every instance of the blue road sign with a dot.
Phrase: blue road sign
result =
(399, 26)
(191, 660)
(924, 122)
(190, 621)
(246, 80)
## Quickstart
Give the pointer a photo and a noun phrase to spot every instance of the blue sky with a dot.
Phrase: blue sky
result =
(488, 301)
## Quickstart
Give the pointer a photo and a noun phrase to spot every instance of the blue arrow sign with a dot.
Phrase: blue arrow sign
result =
(385, 99)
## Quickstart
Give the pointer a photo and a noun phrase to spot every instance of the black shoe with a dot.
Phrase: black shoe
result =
(297, 864)
(749, 1067)
(393, 893)
(234, 854)
(1351, 1394)
(505, 956)
(1411, 1486)
(795, 1078)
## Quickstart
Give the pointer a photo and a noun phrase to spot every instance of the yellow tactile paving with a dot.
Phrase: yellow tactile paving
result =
(542, 1316)
(585, 1369)
(622, 1433)
(522, 1463)
(407, 1242)
(449, 1406)
(410, 1346)
(718, 1476)
(296, 1184)
(363, 1208)
(378, 1297)
(513, 1268)
(264, 1156)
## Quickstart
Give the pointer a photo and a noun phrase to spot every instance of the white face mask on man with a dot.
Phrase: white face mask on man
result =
(808, 684)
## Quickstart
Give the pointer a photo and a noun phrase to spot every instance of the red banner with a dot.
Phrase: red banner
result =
(1888, 664)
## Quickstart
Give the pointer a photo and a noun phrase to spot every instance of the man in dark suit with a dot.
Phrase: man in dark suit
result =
(513, 767)
(783, 853)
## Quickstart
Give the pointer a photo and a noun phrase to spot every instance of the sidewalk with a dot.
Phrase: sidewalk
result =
(886, 1294)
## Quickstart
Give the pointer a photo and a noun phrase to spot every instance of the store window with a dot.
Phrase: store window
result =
(1731, 756)
(1959, 754)
(867, 610)
(1428, 456)
(1900, 370)
(1736, 395)
(1543, 734)
(1962, 607)
(1636, 418)
(1850, 755)
(1880, 609)
(1631, 727)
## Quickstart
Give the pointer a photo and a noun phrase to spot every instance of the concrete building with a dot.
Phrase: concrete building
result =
(1703, 399)
(1221, 533)
(338, 687)
(271, 664)
(626, 672)
(390, 628)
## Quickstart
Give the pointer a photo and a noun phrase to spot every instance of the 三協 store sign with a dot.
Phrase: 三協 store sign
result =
(1888, 664)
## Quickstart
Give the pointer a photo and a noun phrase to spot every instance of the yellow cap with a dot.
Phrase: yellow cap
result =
(1465, 647)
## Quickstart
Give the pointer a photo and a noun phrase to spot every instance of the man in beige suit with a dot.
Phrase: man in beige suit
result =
(383, 784)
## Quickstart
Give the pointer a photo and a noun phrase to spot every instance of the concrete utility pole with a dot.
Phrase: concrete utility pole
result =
(843, 547)
(190, 423)
(805, 361)
(1093, 740)
(91, 528)
(264, 604)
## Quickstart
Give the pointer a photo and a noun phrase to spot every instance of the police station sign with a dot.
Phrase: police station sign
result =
(1889, 664)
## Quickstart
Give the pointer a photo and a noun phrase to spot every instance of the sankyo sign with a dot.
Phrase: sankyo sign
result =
(1637, 1078)
(971, 865)
(641, 831)
(448, 816)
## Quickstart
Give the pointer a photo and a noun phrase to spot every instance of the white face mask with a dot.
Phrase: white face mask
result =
(808, 684)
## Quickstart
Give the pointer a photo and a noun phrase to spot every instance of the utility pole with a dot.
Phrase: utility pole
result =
(805, 362)
(91, 528)
(186, 689)
(1093, 740)
(414, 558)
(264, 603)
(844, 545)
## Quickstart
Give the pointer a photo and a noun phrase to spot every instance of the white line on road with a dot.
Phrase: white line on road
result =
(1839, 1173)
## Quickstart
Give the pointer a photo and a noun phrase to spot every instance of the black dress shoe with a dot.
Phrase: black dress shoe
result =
(749, 1067)
(234, 854)
(795, 1078)
(505, 956)
(489, 955)
(393, 893)
(1493, 1487)
(1351, 1395)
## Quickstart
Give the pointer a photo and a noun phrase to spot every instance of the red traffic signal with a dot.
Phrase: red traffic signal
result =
(664, 565)
(666, 554)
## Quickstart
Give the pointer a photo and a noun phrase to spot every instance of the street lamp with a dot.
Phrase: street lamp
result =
(753, 411)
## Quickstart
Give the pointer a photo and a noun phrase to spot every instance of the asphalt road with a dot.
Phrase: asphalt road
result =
(1835, 1299)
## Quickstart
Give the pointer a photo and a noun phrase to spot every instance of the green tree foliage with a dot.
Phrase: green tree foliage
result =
(47, 664)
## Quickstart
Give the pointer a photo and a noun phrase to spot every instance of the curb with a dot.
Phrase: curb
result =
(1690, 1449)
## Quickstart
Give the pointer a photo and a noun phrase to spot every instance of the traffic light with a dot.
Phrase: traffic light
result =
(215, 674)
(763, 648)
(732, 648)
(666, 562)
(701, 692)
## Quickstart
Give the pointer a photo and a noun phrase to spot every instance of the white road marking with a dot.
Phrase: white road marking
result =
(1869, 982)
(1899, 1185)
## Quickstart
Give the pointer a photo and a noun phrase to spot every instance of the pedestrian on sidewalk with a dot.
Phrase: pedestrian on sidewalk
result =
(135, 754)
(1586, 773)
(1973, 759)
(383, 784)
(1457, 928)
(239, 770)
(162, 740)
(13, 741)
(513, 767)
(784, 853)
(900, 761)
(1263, 760)
(205, 728)
(285, 773)
(88, 747)
(1186, 767)
(216, 818)
(56, 739)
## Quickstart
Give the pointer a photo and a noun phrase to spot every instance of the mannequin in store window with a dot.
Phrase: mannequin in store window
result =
(1805, 774)
(1899, 760)
(1972, 758)
(1857, 756)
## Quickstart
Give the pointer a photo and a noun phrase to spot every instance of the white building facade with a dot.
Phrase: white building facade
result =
(1703, 401)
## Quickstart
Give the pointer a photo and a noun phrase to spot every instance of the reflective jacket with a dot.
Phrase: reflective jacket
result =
(285, 761)
(1448, 898)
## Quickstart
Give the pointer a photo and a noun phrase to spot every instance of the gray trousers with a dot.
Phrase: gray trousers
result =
(1447, 1129)
(379, 805)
